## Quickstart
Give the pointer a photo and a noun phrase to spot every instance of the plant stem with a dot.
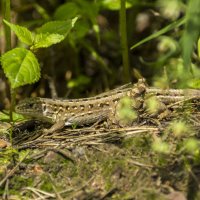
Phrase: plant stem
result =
(124, 45)
(6, 12)
(12, 106)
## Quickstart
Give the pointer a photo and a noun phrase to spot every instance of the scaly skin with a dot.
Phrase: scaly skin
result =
(98, 108)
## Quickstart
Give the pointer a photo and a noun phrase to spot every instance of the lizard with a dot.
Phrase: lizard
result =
(101, 107)
(78, 111)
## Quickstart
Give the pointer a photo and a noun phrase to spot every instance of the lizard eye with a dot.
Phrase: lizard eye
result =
(31, 105)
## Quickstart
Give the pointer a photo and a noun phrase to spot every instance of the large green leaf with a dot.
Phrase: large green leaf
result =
(192, 30)
(160, 32)
(58, 27)
(20, 66)
(22, 33)
(44, 40)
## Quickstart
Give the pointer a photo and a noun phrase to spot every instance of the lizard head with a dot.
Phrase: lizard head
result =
(31, 107)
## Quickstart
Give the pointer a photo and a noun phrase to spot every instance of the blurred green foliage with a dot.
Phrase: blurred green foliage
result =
(93, 49)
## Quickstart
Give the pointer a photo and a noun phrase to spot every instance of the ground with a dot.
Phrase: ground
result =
(91, 163)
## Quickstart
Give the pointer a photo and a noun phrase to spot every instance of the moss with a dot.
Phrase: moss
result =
(18, 182)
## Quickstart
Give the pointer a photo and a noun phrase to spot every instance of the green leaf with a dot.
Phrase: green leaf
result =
(66, 11)
(44, 40)
(194, 83)
(21, 67)
(81, 28)
(43, 13)
(160, 32)
(79, 81)
(23, 34)
(198, 47)
(52, 33)
(6, 116)
(90, 14)
(192, 30)
(114, 4)
(58, 27)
